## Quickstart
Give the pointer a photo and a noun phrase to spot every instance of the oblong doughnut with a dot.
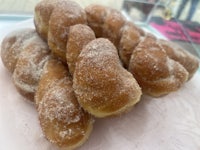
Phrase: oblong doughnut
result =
(63, 121)
(66, 14)
(79, 36)
(12, 45)
(102, 86)
(177, 53)
(113, 22)
(95, 16)
(42, 14)
(30, 66)
(155, 72)
(106, 22)
(130, 37)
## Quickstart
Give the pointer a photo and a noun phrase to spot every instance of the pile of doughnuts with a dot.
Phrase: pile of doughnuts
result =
(81, 63)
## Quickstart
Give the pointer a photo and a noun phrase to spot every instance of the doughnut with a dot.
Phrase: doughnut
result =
(30, 65)
(113, 22)
(130, 38)
(177, 53)
(12, 45)
(62, 120)
(86, 63)
(42, 15)
(79, 36)
(95, 17)
(106, 22)
(110, 23)
(52, 21)
(101, 84)
(156, 73)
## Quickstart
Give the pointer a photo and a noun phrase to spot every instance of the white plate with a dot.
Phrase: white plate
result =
(171, 122)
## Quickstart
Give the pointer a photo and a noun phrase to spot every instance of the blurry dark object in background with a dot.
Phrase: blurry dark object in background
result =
(147, 7)
(138, 10)
(192, 9)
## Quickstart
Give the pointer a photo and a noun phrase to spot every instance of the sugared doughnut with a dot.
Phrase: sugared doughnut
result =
(66, 14)
(30, 65)
(12, 45)
(53, 19)
(130, 37)
(177, 53)
(106, 22)
(113, 22)
(79, 36)
(42, 15)
(95, 17)
(155, 72)
(98, 85)
(63, 121)
(102, 86)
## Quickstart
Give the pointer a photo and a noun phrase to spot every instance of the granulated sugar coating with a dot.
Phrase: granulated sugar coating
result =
(130, 37)
(12, 45)
(180, 55)
(30, 65)
(62, 119)
(79, 36)
(155, 72)
(66, 14)
(99, 84)
(103, 87)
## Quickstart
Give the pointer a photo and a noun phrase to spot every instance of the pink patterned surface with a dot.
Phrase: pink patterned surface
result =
(173, 31)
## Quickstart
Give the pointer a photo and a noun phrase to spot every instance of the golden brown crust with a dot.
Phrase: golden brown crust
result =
(95, 17)
(102, 86)
(12, 45)
(52, 21)
(79, 36)
(155, 72)
(61, 15)
(42, 15)
(177, 53)
(140, 30)
(113, 22)
(106, 22)
(30, 65)
(63, 121)
(130, 37)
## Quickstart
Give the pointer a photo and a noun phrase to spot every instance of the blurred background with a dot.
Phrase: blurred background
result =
(27, 6)
(175, 20)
